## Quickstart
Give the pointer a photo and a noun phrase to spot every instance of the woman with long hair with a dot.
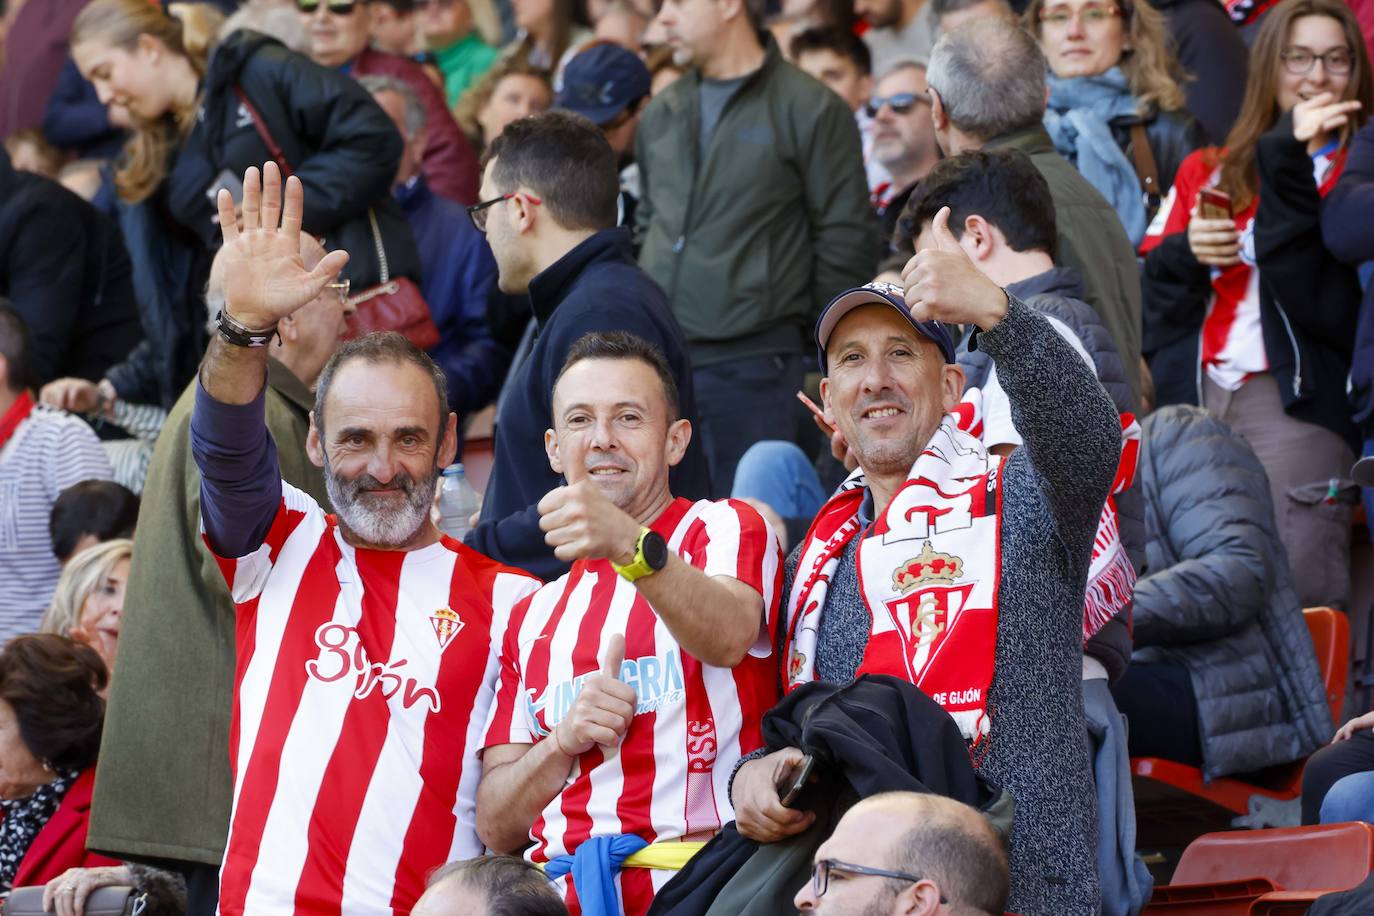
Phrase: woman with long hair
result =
(201, 116)
(1246, 311)
(1116, 108)
(550, 32)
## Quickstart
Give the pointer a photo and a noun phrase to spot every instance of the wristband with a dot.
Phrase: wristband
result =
(241, 336)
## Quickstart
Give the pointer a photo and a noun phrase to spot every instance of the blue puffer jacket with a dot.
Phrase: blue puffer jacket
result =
(1215, 596)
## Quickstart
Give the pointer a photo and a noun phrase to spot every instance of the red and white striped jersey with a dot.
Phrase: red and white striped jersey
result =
(363, 682)
(1232, 335)
(668, 779)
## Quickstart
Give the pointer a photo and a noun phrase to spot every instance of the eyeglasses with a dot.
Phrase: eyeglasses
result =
(901, 103)
(1092, 14)
(441, 4)
(821, 871)
(478, 211)
(340, 287)
(337, 7)
(1298, 61)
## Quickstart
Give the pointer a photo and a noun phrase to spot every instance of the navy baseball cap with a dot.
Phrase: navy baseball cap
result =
(877, 293)
(602, 81)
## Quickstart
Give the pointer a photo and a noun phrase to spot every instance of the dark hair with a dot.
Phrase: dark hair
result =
(841, 41)
(53, 685)
(15, 346)
(511, 886)
(101, 508)
(381, 347)
(1002, 186)
(565, 160)
(624, 345)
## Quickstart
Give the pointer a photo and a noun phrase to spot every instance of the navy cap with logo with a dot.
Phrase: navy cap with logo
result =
(602, 81)
(877, 293)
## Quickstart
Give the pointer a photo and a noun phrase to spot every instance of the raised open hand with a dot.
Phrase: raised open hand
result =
(264, 277)
(943, 284)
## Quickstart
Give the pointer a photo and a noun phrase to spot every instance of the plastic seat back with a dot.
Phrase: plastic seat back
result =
(1334, 856)
(1330, 631)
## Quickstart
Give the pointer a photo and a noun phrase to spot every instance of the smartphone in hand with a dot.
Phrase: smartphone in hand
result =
(794, 780)
(1214, 204)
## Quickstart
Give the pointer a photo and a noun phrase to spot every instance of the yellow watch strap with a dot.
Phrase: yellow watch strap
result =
(639, 567)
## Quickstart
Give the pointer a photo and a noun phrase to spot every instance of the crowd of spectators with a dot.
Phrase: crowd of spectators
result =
(900, 414)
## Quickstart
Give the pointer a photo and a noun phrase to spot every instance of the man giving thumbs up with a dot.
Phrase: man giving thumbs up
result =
(618, 717)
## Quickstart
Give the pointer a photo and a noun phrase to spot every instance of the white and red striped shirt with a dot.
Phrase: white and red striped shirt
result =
(669, 777)
(363, 682)
(1232, 334)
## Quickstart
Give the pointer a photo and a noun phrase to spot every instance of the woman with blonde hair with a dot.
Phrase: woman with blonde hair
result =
(88, 605)
(1116, 108)
(1246, 311)
(199, 120)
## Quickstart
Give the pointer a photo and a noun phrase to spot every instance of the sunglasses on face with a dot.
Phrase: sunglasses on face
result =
(337, 7)
(1091, 13)
(901, 103)
(1298, 61)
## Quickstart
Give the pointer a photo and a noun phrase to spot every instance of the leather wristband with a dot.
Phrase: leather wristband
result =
(241, 336)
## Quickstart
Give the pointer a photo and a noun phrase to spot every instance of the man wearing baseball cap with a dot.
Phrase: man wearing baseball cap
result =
(959, 570)
(610, 86)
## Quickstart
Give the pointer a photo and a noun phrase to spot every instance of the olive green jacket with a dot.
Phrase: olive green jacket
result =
(1092, 242)
(752, 239)
(163, 788)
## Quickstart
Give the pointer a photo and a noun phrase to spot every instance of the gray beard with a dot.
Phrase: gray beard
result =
(387, 527)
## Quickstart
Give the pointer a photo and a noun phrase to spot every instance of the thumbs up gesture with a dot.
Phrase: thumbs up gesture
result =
(943, 284)
(604, 707)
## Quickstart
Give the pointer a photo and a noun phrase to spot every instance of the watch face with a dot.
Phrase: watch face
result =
(655, 551)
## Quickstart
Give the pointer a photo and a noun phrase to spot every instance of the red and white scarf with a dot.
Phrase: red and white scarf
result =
(928, 571)
(17, 413)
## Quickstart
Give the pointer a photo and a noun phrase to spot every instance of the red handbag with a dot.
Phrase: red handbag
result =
(394, 304)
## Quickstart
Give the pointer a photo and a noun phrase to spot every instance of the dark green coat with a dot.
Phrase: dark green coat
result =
(163, 788)
(753, 239)
(1092, 242)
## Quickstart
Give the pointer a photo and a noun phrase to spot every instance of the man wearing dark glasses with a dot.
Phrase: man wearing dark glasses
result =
(904, 854)
(903, 139)
(340, 31)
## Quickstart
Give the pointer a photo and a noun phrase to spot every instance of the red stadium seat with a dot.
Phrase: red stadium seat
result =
(1330, 631)
(1266, 871)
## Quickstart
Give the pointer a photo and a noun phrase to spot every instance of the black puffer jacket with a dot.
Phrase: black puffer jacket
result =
(332, 135)
(1215, 596)
(1058, 293)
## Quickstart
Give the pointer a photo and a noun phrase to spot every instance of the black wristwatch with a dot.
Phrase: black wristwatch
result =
(651, 555)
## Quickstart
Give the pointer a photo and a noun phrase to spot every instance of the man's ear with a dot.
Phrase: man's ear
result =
(938, 116)
(448, 446)
(951, 385)
(919, 899)
(979, 232)
(314, 449)
(551, 449)
(524, 213)
(4, 373)
(679, 435)
(825, 401)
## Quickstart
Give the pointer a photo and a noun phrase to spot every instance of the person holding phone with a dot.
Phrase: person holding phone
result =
(1247, 313)
(632, 685)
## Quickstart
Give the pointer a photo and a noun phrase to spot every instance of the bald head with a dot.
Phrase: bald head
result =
(951, 859)
(489, 886)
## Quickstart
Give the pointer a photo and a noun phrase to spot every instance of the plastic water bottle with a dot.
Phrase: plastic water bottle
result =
(458, 502)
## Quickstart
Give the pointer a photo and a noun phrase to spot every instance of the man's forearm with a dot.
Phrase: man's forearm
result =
(713, 620)
(511, 795)
(232, 374)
